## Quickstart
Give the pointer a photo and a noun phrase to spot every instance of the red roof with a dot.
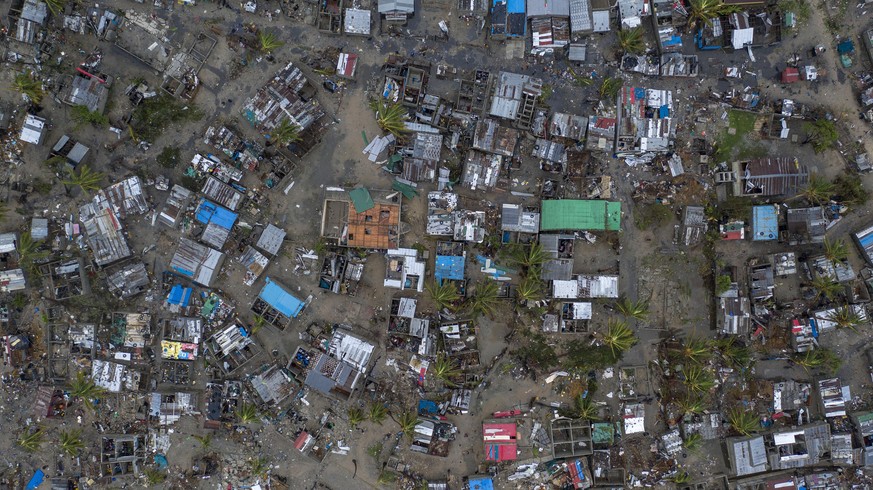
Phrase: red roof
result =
(500, 442)
(790, 75)
(605, 123)
(732, 235)
(301, 440)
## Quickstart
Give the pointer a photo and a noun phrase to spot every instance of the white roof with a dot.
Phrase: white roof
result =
(565, 289)
(32, 129)
(741, 37)
(598, 286)
(581, 311)
(601, 20)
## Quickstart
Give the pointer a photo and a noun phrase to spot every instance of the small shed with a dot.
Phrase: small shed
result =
(790, 75)
(33, 130)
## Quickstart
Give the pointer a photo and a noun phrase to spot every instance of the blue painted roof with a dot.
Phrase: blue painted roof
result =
(481, 483)
(209, 212)
(281, 300)
(449, 267)
(515, 6)
(765, 223)
(179, 295)
(35, 481)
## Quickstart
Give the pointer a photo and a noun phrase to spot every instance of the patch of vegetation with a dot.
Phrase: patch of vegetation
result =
(702, 12)
(285, 133)
(744, 123)
(651, 215)
(377, 412)
(744, 421)
(484, 300)
(71, 442)
(583, 408)
(582, 356)
(801, 9)
(169, 157)
(247, 413)
(849, 189)
(546, 93)
(82, 115)
(618, 337)
(443, 295)
(42, 186)
(822, 134)
(154, 115)
(722, 284)
(820, 358)
(31, 439)
(536, 351)
(375, 450)
(638, 310)
(154, 476)
(445, 369)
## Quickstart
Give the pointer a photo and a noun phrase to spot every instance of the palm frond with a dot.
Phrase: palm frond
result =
(443, 295)
(618, 337)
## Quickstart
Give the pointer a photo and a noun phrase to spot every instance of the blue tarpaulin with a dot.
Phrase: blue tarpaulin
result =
(35, 481)
(846, 47)
(664, 112)
(449, 267)
(427, 407)
(179, 295)
(209, 212)
(281, 300)
(161, 461)
(765, 223)
(481, 483)
(639, 93)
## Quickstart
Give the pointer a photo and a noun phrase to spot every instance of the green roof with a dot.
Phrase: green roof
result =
(577, 215)
(361, 199)
(602, 433)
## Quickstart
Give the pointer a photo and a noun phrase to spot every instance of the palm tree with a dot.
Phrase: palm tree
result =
(443, 295)
(836, 251)
(28, 85)
(55, 6)
(609, 88)
(485, 298)
(638, 310)
(530, 290)
(744, 421)
(29, 253)
(247, 413)
(618, 337)
(445, 369)
(71, 442)
(259, 466)
(698, 380)
(391, 118)
(205, 441)
(847, 317)
(31, 439)
(258, 323)
(737, 355)
(681, 477)
(268, 41)
(583, 408)
(85, 178)
(285, 133)
(817, 190)
(631, 40)
(820, 358)
(704, 11)
(690, 404)
(407, 421)
(693, 441)
(826, 287)
(530, 257)
(377, 412)
(84, 388)
(695, 350)
(356, 416)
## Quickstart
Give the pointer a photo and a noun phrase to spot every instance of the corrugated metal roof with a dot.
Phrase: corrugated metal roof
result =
(127, 197)
(103, 231)
(12, 280)
(197, 262)
(39, 228)
(580, 16)
(514, 218)
(271, 239)
(222, 193)
(211, 213)
(175, 206)
(548, 8)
